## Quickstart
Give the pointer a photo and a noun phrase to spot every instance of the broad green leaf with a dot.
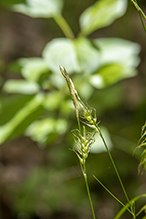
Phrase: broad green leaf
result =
(87, 55)
(46, 130)
(110, 74)
(101, 14)
(118, 50)
(40, 8)
(27, 110)
(20, 86)
(61, 52)
(118, 60)
(33, 68)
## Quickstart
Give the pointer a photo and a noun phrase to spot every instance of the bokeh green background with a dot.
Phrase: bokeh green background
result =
(42, 178)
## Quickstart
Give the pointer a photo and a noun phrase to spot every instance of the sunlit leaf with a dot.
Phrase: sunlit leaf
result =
(37, 8)
(101, 14)
(87, 55)
(110, 74)
(118, 50)
(19, 118)
(46, 130)
(118, 60)
(61, 52)
(20, 86)
(33, 68)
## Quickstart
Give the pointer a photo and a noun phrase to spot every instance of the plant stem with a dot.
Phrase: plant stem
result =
(121, 212)
(141, 13)
(83, 167)
(99, 131)
(138, 8)
(64, 26)
(113, 195)
(113, 163)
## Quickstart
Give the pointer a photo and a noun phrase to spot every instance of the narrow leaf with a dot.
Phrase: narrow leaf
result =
(8, 129)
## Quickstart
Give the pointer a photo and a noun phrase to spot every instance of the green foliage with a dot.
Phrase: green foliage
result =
(84, 142)
(21, 87)
(121, 212)
(99, 15)
(46, 130)
(33, 69)
(43, 8)
(95, 63)
(37, 105)
(19, 120)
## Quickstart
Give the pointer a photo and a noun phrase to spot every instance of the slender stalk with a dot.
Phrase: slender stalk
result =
(141, 13)
(138, 8)
(99, 131)
(64, 26)
(85, 143)
(143, 24)
(113, 195)
(83, 167)
(113, 163)
(121, 212)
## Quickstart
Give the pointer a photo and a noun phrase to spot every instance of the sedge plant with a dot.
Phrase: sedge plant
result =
(84, 140)
(141, 13)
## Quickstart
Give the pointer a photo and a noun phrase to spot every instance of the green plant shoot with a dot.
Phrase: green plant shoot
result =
(74, 95)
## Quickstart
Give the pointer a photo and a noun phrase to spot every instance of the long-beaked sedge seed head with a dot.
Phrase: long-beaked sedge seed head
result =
(83, 143)
(74, 95)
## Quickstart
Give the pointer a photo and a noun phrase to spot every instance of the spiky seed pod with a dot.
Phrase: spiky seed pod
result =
(83, 143)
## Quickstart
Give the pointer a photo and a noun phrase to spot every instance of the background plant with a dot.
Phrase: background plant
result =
(91, 60)
(41, 109)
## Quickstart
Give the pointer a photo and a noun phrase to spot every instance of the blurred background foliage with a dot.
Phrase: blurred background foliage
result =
(40, 177)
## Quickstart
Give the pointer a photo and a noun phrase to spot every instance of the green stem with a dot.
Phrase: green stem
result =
(141, 13)
(64, 26)
(121, 212)
(113, 195)
(83, 167)
(143, 24)
(113, 163)
(138, 8)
